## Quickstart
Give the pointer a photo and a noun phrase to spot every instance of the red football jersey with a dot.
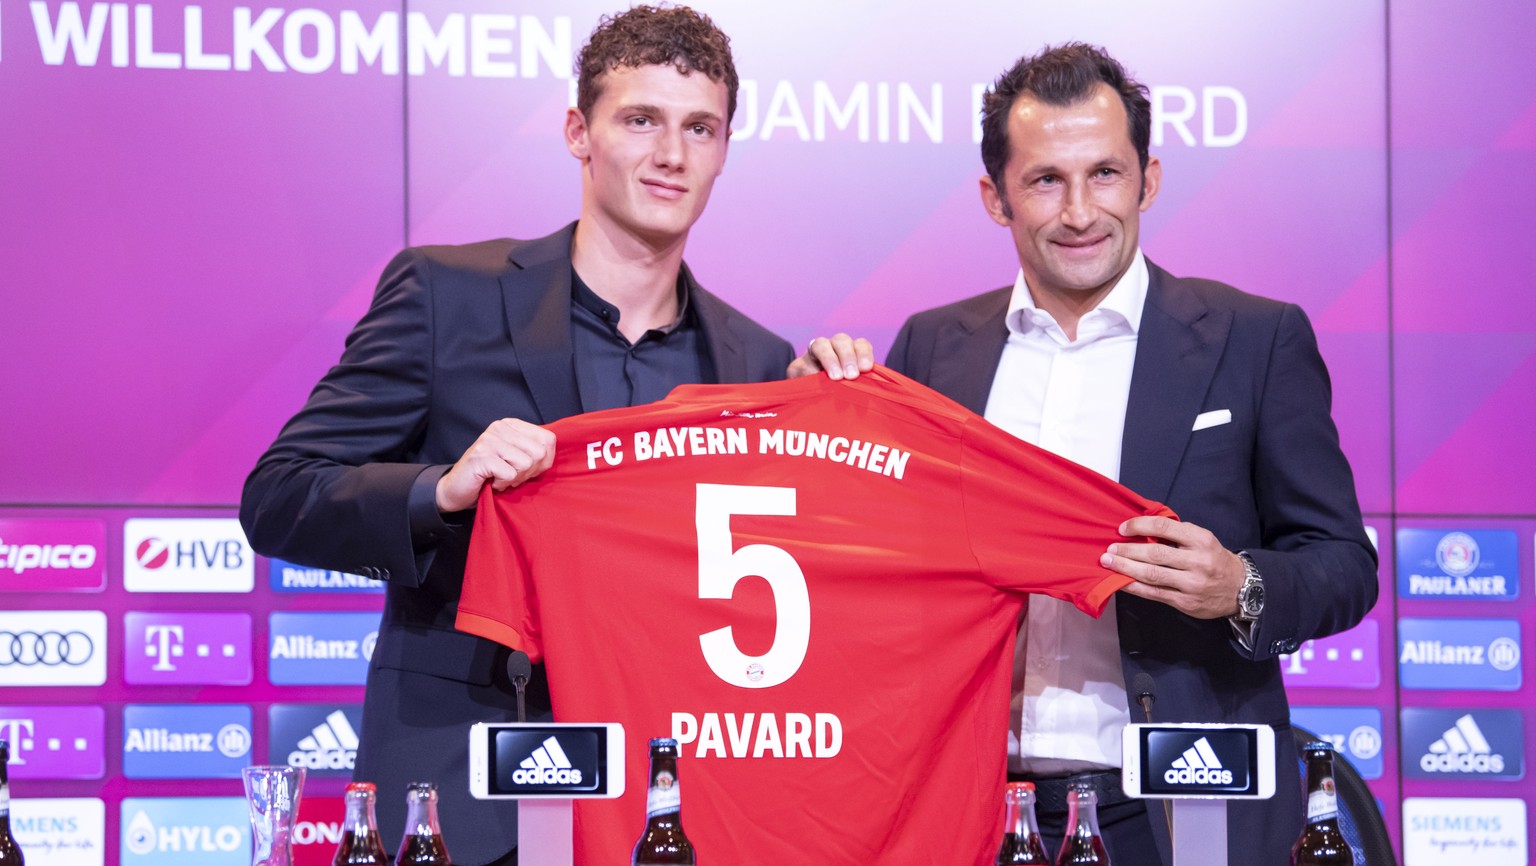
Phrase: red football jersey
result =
(814, 586)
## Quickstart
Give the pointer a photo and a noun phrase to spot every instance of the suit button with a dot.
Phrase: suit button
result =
(383, 573)
(1284, 647)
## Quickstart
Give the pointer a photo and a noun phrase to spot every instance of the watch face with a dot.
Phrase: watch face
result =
(1253, 599)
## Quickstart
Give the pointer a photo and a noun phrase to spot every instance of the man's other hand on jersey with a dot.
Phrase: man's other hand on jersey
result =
(841, 356)
(509, 452)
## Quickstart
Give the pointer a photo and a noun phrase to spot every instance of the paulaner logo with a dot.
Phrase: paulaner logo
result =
(1198, 766)
(547, 765)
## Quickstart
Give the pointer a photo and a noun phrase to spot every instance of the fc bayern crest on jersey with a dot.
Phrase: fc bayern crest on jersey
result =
(1457, 554)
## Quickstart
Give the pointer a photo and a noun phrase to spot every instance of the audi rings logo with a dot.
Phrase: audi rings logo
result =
(45, 648)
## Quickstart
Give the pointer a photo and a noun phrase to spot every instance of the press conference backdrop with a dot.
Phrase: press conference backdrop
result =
(197, 201)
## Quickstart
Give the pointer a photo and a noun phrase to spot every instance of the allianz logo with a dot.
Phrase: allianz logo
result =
(1198, 766)
(1502, 654)
(331, 745)
(232, 741)
(1462, 749)
(307, 646)
(547, 765)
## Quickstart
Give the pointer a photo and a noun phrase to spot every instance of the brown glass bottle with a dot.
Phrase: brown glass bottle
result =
(1021, 832)
(423, 842)
(1321, 843)
(663, 843)
(1083, 845)
(10, 852)
(360, 842)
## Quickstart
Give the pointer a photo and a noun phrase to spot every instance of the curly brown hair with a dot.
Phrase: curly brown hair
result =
(655, 36)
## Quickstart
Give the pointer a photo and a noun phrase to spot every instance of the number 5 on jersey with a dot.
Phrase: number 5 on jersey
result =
(720, 568)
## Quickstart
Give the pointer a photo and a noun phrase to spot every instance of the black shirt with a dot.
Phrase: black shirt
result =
(612, 372)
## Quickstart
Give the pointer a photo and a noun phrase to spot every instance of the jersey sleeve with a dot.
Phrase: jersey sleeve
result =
(1037, 522)
(499, 602)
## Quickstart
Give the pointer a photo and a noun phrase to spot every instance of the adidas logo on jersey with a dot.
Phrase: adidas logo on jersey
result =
(548, 765)
(332, 745)
(1462, 749)
(1198, 766)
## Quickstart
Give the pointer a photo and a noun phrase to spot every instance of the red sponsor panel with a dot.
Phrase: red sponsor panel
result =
(39, 555)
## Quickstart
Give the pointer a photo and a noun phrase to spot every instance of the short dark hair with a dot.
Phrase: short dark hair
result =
(1064, 75)
(655, 36)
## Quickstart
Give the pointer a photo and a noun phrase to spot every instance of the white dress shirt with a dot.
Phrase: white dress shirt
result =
(1068, 397)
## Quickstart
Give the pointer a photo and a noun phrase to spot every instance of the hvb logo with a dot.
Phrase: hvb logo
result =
(187, 648)
(186, 555)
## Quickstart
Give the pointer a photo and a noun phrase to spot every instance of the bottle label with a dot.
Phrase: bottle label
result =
(664, 796)
(5, 800)
(1323, 804)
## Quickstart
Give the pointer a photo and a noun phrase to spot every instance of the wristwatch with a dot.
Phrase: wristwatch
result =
(1250, 596)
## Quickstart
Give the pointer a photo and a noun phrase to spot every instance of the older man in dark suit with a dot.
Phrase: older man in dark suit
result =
(1187, 391)
(466, 351)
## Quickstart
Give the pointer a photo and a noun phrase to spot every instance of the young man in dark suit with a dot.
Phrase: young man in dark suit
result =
(1187, 391)
(466, 351)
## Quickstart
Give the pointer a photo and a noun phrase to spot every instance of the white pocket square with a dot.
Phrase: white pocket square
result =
(1212, 419)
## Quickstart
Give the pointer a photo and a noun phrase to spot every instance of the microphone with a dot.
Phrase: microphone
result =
(520, 669)
(1142, 687)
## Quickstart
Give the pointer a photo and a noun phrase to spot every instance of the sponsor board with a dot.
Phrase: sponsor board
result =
(185, 831)
(66, 831)
(177, 554)
(1350, 660)
(55, 742)
(53, 648)
(187, 648)
(321, 649)
(317, 832)
(322, 738)
(1458, 831)
(1458, 743)
(1354, 732)
(1473, 564)
(1459, 654)
(47, 555)
(286, 576)
(186, 741)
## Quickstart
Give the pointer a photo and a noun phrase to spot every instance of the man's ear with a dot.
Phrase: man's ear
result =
(576, 134)
(992, 199)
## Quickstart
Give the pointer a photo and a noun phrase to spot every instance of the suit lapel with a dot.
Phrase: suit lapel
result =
(537, 300)
(967, 348)
(724, 344)
(1177, 349)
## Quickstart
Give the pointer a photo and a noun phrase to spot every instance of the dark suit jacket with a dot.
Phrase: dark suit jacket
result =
(1272, 482)
(457, 337)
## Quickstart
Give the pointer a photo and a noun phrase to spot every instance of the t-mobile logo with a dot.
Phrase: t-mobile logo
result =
(17, 732)
(163, 643)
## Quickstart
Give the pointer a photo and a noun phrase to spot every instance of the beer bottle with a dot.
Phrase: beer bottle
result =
(10, 852)
(423, 842)
(1083, 846)
(1021, 833)
(663, 843)
(360, 842)
(1321, 843)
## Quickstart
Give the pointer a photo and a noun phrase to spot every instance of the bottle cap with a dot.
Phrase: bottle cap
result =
(1318, 746)
(355, 787)
(663, 743)
(1021, 786)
